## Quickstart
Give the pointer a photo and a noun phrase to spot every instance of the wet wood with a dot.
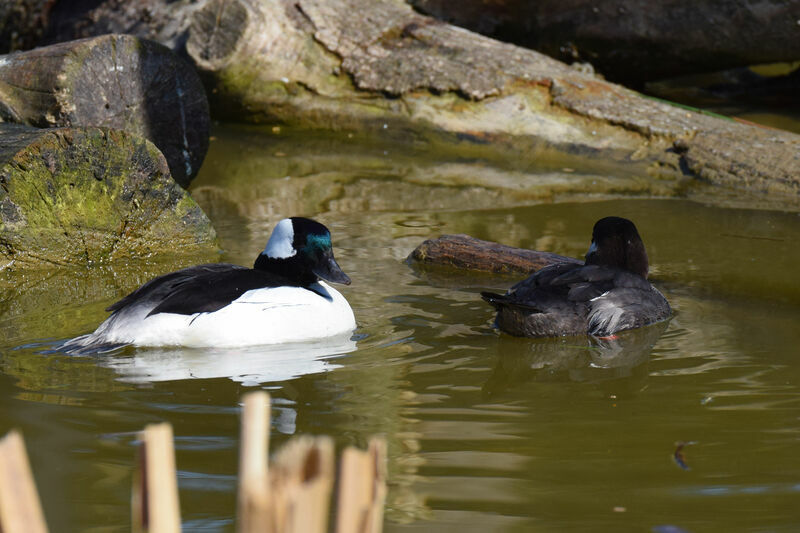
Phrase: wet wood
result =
(154, 504)
(305, 63)
(631, 41)
(468, 253)
(301, 480)
(362, 489)
(20, 510)
(253, 496)
(114, 81)
(82, 196)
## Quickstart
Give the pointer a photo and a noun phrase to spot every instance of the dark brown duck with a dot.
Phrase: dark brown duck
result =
(607, 294)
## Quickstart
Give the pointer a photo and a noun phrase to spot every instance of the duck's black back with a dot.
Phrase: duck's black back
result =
(573, 299)
(198, 289)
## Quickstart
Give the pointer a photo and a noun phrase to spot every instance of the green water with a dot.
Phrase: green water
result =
(486, 433)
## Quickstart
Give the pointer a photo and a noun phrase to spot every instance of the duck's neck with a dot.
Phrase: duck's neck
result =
(292, 268)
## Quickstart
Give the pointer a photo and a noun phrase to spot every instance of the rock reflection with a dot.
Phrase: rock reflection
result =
(250, 366)
(574, 358)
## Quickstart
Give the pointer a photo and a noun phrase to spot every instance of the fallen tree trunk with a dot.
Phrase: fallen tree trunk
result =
(468, 253)
(306, 63)
(113, 81)
(631, 41)
(81, 196)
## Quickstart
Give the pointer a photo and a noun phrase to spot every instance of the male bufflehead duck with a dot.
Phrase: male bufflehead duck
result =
(607, 294)
(281, 299)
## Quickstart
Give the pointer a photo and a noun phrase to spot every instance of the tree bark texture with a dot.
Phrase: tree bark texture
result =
(633, 41)
(468, 253)
(376, 66)
(80, 196)
(306, 62)
(113, 81)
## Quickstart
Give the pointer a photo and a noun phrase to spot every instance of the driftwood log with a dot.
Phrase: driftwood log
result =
(113, 81)
(471, 254)
(631, 41)
(401, 75)
(306, 63)
(78, 196)
(628, 40)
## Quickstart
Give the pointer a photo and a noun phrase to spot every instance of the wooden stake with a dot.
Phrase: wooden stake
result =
(20, 510)
(362, 489)
(301, 480)
(154, 502)
(253, 500)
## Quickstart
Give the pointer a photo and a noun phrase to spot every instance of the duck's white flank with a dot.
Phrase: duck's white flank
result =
(260, 316)
(279, 245)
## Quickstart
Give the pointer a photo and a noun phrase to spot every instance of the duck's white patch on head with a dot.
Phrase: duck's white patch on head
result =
(279, 245)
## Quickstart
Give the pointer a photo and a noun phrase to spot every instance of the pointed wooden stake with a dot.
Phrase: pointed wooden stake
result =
(362, 489)
(154, 502)
(253, 499)
(301, 480)
(20, 510)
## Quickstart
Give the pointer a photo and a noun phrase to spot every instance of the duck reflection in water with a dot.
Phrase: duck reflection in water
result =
(586, 358)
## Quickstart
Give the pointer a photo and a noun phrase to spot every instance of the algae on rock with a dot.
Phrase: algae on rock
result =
(77, 196)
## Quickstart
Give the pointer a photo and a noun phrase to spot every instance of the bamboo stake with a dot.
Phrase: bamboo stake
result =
(253, 501)
(20, 509)
(154, 502)
(301, 480)
(362, 489)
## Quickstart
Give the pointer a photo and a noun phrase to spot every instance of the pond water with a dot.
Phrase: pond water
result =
(486, 432)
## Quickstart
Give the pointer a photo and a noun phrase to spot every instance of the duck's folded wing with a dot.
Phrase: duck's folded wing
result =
(500, 300)
(211, 291)
(157, 289)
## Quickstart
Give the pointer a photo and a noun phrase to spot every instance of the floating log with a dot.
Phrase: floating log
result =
(468, 253)
(20, 510)
(113, 81)
(78, 196)
(305, 63)
(631, 41)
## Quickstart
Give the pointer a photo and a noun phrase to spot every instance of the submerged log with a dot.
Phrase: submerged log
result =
(306, 63)
(468, 253)
(631, 41)
(80, 196)
(113, 81)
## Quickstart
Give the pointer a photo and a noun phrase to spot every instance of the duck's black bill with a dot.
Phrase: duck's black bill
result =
(329, 270)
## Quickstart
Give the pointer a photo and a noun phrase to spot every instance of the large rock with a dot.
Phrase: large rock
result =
(77, 196)
(113, 81)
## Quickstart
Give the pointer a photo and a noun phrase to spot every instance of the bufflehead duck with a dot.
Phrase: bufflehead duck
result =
(607, 294)
(283, 298)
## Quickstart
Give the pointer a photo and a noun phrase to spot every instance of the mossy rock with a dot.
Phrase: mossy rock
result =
(78, 196)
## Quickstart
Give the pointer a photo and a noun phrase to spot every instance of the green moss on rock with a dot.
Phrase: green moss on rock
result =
(83, 196)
